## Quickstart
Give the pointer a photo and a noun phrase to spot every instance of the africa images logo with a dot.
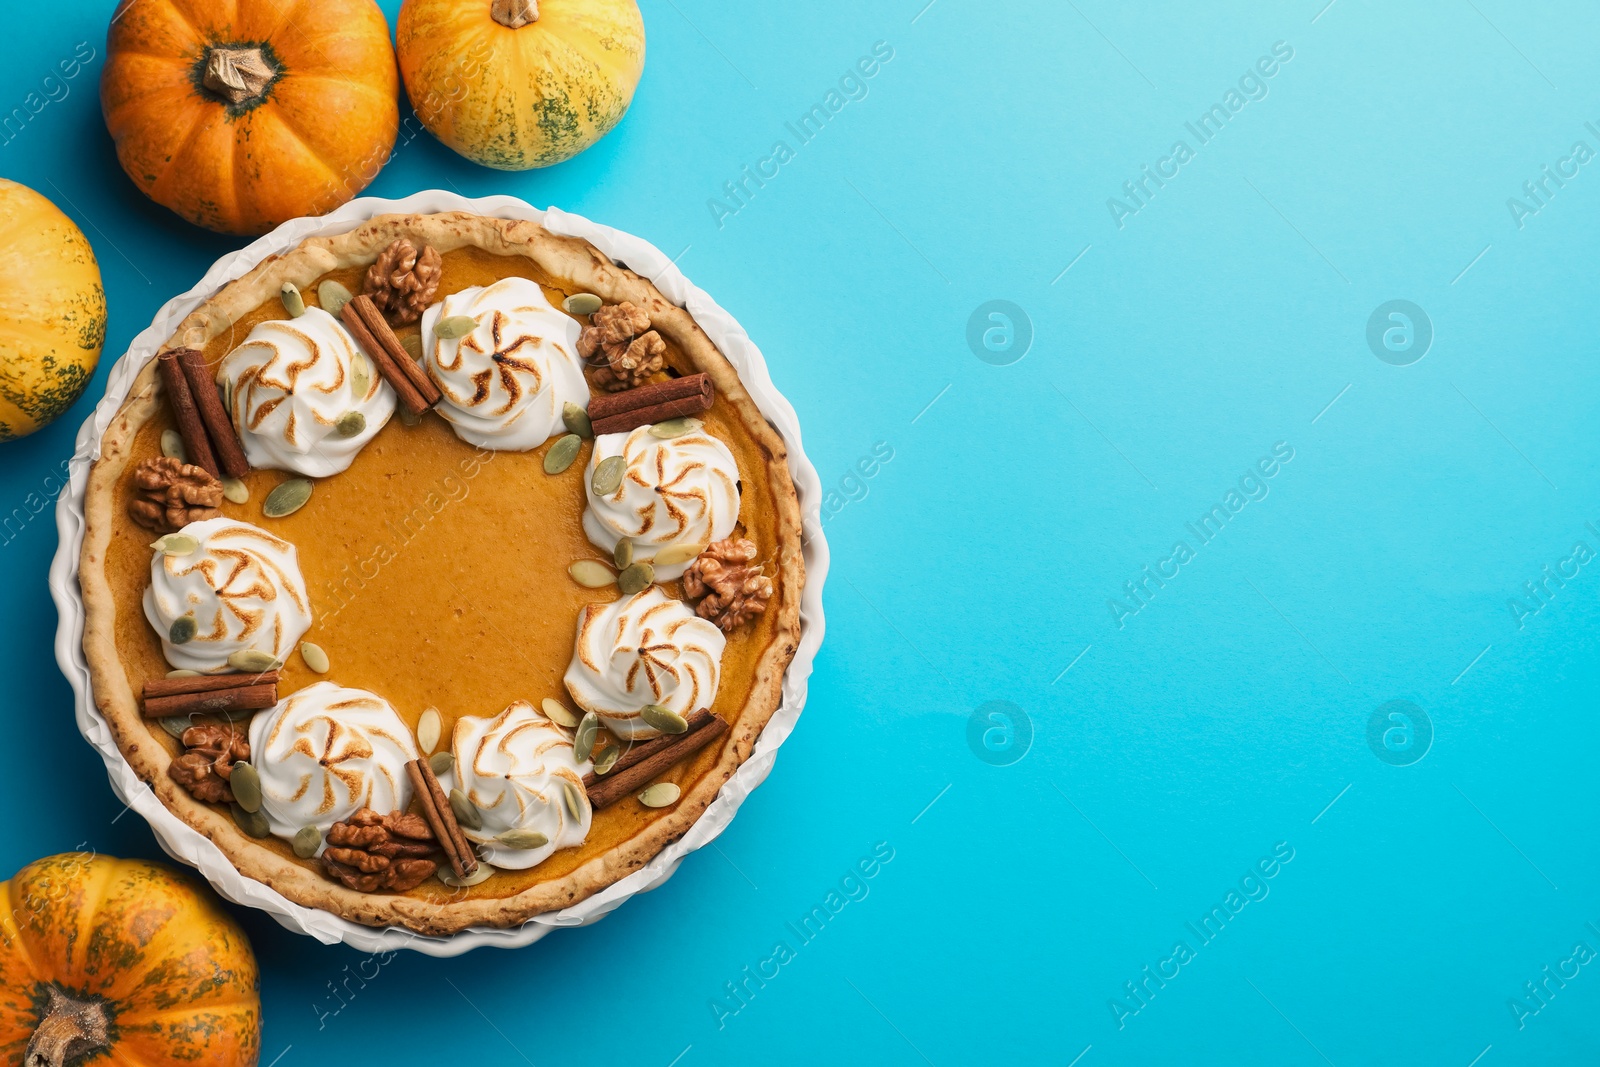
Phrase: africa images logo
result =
(999, 332)
(1399, 332)
(1399, 733)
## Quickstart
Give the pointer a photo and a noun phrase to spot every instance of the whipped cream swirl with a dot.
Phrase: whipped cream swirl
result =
(506, 382)
(242, 586)
(677, 490)
(643, 649)
(324, 753)
(297, 386)
(521, 773)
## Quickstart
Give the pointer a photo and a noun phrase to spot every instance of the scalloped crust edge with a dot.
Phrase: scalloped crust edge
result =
(563, 257)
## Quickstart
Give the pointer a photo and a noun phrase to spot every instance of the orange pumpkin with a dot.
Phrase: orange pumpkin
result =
(125, 959)
(239, 114)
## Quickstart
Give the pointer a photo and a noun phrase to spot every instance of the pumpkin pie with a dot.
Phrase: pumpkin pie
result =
(440, 572)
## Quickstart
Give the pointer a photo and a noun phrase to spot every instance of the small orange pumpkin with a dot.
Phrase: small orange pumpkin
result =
(240, 114)
(122, 958)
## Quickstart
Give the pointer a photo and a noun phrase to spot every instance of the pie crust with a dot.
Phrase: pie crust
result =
(567, 258)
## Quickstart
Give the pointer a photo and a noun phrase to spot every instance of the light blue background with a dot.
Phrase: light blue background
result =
(1227, 716)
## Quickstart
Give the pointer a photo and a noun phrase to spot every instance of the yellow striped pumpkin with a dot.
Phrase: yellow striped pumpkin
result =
(517, 84)
(52, 311)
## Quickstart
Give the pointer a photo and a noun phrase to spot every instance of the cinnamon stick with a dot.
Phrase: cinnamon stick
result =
(371, 331)
(239, 698)
(405, 392)
(662, 753)
(206, 683)
(656, 402)
(184, 412)
(218, 422)
(430, 813)
(697, 720)
(441, 818)
(378, 326)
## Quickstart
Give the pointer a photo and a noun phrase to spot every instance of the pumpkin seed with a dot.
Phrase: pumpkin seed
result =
(664, 719)
(562, 453)
(672, 555)
(582, 304)
(583, 740)
(576, 420)
(558, 713)
(254, 661)
(314, 656)
(176, 544)
(607, 759)
(350, 424)
(176, 725)
(227, 396)
(607, 476)
(412, 343)
(466, 812)
(182, 630)
(287, 498)
(172, 446)
(675, 427)
(591, 574)
(429, 726)
(522, 840)
(235, 492)
(622, 555)
(183, 674)
(234, 714)
(448, 877)
(245, 782)
(360, 376)
(455, 326)
(636, 578)
(442, 762)
(660, 795)
(251, 822)
(572, 798)
(293, 302)
(332, 296)
(308, 838)
(406, 417)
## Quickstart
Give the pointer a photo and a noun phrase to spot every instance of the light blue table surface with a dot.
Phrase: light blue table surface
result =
(1069, 791)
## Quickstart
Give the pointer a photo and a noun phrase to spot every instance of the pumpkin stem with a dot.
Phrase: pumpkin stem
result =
(515, 14)
(238, 75)
(70, 1029)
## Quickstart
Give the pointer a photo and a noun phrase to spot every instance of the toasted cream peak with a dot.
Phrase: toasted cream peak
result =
(506, 382)
(643, 649)
(675, 491)
(324, 753)
(242, 586)
(291, 382)
(521, 773)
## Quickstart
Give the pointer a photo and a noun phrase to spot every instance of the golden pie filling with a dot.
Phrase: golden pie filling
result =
(438, 574)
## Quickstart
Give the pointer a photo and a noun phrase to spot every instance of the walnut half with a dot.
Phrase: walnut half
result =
(374, 853)
(173, 494)
(631, 352)
(403, 279)
(734, 588)
(207, 762)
